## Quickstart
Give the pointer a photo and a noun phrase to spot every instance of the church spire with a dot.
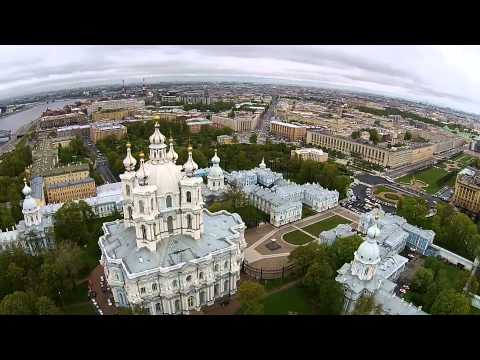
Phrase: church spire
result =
(129, 162)
(190, 166)
(157, 146)
(171, 154)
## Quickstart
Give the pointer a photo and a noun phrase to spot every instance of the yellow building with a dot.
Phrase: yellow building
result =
(384, 157)
(317, 155)
(112, 114)
(66, 173)
(102, 130)
(72, 190)
(467, 190)
(289, 131)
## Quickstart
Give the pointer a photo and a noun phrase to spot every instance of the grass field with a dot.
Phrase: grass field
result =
(297, 237)
(306, 212)
(290, 300)
(432, 177)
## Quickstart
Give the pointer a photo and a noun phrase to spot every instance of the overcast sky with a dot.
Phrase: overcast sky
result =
(444, 75)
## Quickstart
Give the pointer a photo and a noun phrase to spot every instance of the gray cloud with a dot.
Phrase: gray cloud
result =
(445, 75)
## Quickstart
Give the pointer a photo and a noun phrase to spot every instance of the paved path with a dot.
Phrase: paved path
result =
(257, 251)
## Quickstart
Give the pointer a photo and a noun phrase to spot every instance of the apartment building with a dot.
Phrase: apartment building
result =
(102, 130)
(71, 190)
(112, 114)
(54, 121)
(241, 123)
(289, 131)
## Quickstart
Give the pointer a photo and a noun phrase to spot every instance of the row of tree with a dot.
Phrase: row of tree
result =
(12, 172)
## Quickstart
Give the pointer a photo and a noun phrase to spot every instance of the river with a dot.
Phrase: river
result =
(15, 121)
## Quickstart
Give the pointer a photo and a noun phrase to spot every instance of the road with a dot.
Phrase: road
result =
(377, 180)
(101, 163)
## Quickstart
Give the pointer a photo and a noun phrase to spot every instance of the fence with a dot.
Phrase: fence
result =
(267, 274)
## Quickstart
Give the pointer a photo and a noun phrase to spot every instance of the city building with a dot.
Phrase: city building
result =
(74, 130)
(169, 255)
(99, 131)
(55, 121)
(69, 182)
(71, 190)
(467, 190)
(215, 177)
(385, 157)
(314, 154)
(288, 131)
(242, 122)
(128, 104)
(371, 274)
(112, 114)
(194, 97)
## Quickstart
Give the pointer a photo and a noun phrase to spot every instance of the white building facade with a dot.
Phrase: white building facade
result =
(169, 255)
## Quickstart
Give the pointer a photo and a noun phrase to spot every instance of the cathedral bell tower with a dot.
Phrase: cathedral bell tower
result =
(192, 200)
(128, 183)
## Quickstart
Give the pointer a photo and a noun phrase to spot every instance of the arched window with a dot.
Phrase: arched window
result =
(141, 207)
(170, 224)
(144, 232)
(174, 283)
(154, 287)
(225, 264)
(200, 275)
(130, 217)
(152, 204)
(189, 278)
(215, 268)
(190, 301)
(189, 197)
(202, 297)
(169, 201)
(189, 221)
(127, 189)
(177, 306)
(225, 286)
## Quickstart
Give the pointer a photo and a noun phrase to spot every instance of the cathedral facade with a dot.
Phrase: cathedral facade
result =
(169, 255)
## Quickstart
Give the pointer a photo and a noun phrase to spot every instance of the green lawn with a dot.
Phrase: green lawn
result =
(290, 300)
(297, 237)
(432, 177)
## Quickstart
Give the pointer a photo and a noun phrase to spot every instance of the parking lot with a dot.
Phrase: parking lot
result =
(364, 200)
(100, 293)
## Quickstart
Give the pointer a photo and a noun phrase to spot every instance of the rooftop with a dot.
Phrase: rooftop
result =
(220, 233)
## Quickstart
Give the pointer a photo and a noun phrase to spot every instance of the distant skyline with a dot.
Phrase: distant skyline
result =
(442, 75)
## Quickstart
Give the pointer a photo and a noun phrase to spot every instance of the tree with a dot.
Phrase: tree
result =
(304, 256)
(251, 296)
(422, 280)
(408, 135)
(74, 222)
(366, 306)
(253, 138)
(450, 302)
(344, 248)
(45, 306)
(317, 273)
(413, 210)
(18, 303)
